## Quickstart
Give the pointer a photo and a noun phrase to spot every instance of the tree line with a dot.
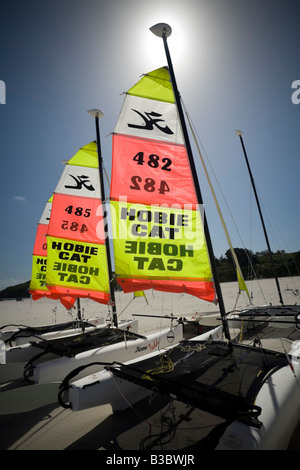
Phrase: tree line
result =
(253, 265)
(258, 265)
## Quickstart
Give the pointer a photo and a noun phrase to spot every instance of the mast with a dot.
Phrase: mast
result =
(164, 30)
(239, 134)
(97, 113)
(78, 310)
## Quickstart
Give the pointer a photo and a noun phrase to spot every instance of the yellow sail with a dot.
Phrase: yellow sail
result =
(159, 238)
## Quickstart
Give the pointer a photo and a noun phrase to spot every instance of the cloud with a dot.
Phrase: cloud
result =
(20, 198)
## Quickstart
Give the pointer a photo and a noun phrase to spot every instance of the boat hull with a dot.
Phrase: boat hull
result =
(25, 352)
(19, 340)
(57, 369)
(102, 388)
(279, 399)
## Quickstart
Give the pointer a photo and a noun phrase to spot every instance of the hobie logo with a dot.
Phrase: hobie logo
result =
(296, 95)
(150, 120)
(2, 92)
(81, 181)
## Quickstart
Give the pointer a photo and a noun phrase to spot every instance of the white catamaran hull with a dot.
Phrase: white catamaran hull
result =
(6, 334)
(57, 369)
(279, 399)
(273, 316)
(103, 388)
(25, 352)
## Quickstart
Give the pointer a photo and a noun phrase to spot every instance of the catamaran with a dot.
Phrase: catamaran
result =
(15, 335)
(72, 188)
(282, 314)
(70, 273)
(161, 239)
(79, 261)
(254, 389)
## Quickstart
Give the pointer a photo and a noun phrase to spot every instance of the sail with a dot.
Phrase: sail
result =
(38, 288)
(158, 234)
(76, 255)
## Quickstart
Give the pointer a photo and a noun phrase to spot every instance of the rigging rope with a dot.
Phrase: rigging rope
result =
(196, 142)
(178, 425)
(241, 282)
(167, 365)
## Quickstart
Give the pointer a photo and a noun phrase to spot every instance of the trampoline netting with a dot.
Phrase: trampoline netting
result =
(216, 377)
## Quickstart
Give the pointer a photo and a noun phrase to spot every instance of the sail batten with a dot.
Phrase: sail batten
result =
(159, 240)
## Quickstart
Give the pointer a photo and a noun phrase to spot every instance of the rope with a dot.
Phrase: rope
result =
(166, 367)
(196, 142)
(174, 426)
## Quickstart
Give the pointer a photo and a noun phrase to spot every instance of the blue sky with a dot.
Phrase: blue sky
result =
(235, 62)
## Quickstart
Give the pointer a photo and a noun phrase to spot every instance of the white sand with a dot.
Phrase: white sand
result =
(45, 311)
(55, 428)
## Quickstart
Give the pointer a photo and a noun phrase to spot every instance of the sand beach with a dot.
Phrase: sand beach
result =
(156, 424)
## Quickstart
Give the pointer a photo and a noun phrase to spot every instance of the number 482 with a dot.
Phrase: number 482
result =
(153, 161)
(149, 185)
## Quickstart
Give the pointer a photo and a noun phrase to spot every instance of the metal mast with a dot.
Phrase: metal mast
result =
(97, 114)
(164, 30)
(239, 134)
